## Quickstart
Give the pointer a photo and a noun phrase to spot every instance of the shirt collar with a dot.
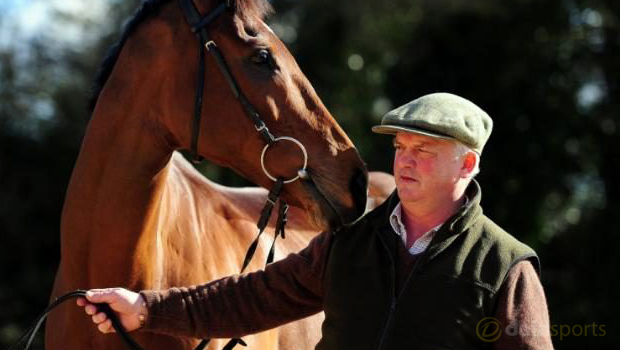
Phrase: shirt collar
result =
(399, 229)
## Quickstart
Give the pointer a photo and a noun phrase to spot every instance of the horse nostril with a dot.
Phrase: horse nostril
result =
(359, 190)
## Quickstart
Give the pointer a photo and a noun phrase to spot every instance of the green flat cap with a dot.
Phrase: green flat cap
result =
(441, 115)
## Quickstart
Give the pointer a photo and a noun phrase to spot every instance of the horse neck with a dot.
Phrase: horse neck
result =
(137, 214)
(112, 197)
(181, 246)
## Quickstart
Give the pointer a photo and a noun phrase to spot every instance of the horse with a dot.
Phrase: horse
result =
(134, 217)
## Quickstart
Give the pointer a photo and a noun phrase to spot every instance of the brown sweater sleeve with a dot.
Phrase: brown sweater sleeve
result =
(237, 305)
(522, 311)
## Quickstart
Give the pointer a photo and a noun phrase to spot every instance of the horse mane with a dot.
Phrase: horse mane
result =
(243, 8)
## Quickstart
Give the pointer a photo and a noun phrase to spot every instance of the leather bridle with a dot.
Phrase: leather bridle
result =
(199, 26)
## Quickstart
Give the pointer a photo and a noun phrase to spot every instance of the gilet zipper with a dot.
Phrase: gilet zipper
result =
(395, 298)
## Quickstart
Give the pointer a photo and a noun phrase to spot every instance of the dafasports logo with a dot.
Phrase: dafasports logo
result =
(489, 329)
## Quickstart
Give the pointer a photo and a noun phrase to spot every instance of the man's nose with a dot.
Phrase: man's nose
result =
(406, 160)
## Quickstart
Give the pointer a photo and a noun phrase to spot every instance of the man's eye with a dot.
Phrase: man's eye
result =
(425, 152)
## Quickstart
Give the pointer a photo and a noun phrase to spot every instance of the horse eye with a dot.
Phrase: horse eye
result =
(250, 31)
(262, 57)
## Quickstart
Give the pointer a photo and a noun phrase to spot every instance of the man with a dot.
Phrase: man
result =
(426, 269)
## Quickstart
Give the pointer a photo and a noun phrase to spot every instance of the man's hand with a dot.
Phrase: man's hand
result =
(130, 307)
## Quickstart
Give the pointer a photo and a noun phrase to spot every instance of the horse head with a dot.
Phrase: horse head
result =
(270, 80)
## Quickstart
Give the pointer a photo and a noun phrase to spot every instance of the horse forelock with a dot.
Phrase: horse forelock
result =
(246, 9)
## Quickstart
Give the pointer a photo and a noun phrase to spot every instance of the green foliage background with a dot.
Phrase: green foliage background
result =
(546, 71)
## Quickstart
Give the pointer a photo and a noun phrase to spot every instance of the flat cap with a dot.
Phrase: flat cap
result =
(440, 115)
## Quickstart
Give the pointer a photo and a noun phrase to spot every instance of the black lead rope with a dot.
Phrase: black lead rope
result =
(233, 342)
(131, 344)
(281, 223)
(102, 307)
(118, 327)
(265, 214)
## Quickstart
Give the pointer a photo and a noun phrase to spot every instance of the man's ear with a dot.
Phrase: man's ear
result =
(469, 164)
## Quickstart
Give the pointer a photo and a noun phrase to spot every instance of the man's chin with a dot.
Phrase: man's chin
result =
(408, 194)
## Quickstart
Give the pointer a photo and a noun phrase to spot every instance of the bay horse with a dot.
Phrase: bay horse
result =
(136, 216)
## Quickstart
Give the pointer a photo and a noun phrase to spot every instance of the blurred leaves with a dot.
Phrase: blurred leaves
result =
(546, 71)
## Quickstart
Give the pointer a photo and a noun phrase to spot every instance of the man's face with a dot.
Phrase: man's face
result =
(425, 168)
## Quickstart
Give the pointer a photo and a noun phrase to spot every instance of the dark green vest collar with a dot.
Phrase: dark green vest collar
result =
(456, 224)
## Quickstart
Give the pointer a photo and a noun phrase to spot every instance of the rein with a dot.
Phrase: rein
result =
(127, 339)
(199, 26)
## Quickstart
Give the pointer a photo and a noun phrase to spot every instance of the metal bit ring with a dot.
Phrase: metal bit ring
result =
(284, 138)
